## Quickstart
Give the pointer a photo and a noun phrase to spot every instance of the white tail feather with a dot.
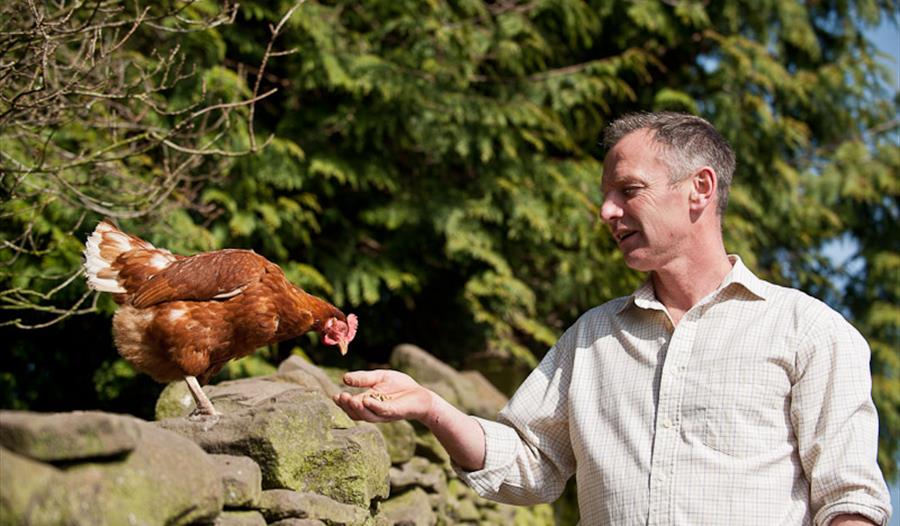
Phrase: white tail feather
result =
(94, 262)
(114, 243)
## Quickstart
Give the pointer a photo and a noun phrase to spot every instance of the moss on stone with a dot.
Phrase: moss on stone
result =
(410, 508)
(67, 436)
(538, 515)
(428, 446)
(400, 439)
(352, 468)
(164, 480)
(240, 518)
(241, 480)
(23, 479)
(174, 401)
(283, 504)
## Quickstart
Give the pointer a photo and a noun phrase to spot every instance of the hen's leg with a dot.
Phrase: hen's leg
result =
(204, 406)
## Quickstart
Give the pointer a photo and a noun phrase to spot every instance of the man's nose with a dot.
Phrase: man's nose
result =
(610, 210)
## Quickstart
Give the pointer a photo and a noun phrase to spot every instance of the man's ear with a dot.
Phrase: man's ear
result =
(703, 189)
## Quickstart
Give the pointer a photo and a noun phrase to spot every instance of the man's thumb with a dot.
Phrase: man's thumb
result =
(362, 378)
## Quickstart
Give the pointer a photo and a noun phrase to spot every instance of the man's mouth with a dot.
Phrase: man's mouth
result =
(625, 234)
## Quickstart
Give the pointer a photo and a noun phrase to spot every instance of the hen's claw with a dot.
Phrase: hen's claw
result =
(208, 421)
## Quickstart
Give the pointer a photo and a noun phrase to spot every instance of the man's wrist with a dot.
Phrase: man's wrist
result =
(433, 414)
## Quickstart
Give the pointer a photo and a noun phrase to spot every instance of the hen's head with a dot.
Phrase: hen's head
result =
(339, 332)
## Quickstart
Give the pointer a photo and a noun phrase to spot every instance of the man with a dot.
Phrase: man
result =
(706, 397)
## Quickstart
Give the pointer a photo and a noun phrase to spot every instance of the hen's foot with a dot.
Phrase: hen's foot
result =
(208, 420)
(205, 410)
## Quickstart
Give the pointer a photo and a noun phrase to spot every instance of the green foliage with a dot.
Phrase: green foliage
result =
(434, 166)
(246, 367)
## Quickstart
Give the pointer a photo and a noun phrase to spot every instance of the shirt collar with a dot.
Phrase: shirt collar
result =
(741, 275)
(645, 298)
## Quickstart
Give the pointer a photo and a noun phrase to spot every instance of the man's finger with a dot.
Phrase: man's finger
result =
(363, 378)
(354, 408)
(343, 401)
(358, 404)
(379, 405)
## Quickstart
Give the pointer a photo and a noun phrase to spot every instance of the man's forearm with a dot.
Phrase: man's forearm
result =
(460, 434)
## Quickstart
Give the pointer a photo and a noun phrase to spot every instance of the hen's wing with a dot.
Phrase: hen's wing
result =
(212, 275)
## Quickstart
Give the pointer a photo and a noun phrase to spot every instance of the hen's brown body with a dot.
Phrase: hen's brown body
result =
(184, 317)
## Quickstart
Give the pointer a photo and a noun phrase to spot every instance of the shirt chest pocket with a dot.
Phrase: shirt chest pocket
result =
(738, 418)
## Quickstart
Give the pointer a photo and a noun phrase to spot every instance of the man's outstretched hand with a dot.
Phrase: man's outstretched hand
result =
(392, 395)
(389, 395)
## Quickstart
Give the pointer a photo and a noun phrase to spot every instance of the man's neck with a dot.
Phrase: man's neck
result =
(683, 283)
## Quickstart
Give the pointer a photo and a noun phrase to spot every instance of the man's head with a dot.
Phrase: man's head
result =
(663, 190)
(687, 143)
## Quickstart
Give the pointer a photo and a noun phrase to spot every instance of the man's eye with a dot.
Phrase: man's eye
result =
(629, 191)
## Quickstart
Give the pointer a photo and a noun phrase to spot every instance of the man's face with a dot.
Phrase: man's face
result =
(649, 217)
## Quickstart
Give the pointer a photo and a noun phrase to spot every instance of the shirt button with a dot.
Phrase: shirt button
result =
(667, 423)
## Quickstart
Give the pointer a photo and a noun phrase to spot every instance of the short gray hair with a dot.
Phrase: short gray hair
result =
(688, 143)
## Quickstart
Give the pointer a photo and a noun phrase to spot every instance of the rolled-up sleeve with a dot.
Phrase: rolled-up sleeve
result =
(528, 454)
(836, 424)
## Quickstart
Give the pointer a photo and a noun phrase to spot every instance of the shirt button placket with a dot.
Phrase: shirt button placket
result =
(665, 441)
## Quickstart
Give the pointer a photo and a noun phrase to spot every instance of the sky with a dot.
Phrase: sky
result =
(887, 38)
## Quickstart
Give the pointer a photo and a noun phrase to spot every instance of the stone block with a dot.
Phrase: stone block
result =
(300, 439)
(241, 480)
(72, 436)
(412, 508)
(164, 479)
(282, 504)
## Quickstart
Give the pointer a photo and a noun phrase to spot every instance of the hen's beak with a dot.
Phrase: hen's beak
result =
(342, 345)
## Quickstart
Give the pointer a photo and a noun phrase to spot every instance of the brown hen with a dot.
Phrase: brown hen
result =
(185, 317)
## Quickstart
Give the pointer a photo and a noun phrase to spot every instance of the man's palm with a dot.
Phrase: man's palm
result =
(390, 395)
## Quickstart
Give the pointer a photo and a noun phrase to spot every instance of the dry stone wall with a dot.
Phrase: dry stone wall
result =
(282, 453)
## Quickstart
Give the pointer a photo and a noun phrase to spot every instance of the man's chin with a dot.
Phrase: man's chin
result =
(637, 261)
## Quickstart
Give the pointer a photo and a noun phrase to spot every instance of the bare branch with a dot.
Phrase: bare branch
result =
(90, 128)
(62, 313)
(262, 67)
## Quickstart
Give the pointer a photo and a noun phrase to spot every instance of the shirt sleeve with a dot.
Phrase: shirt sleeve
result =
(528, 455)
(836, 424)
